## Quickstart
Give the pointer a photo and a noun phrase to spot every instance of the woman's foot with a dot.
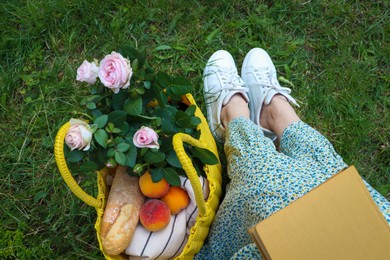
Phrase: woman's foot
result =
(259, 74)
(278, 115)
(236, 107)
(221, 84)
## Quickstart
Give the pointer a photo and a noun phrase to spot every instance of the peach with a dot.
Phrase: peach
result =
(154, 215)
(176, 199)
(150, 189)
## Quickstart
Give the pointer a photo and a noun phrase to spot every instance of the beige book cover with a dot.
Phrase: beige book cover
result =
(336, 220)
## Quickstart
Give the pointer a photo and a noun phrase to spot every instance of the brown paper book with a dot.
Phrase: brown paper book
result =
(336, 220)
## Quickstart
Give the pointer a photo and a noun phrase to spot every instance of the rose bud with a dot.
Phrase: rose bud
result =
(79, 135)
(87, 72)
(146, 138)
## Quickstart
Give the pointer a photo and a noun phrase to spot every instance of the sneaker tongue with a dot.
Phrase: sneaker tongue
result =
(231, 94)
(270, 94)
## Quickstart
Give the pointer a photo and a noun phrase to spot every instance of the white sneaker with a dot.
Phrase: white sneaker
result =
(259, 75)
(221, 82)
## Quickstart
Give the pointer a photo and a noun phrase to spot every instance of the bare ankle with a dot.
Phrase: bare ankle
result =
(278, 115)
(236, 107)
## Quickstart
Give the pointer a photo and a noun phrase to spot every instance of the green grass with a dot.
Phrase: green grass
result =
(336, 54)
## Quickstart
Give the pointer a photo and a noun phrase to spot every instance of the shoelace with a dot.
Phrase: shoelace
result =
(230, 80)
(267, 83)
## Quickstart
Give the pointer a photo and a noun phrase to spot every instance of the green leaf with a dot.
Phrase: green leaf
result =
(101, 137)
(183, 119)
(204, 155)
(91, 105)
(191, 110)
(116, 130)
(196, 163)
(101, 121)
(171, 176)
(93, 128)
(75, 156)
(93, 99)
(157, 174)
(133, 106)
(163, 79)
(179, 87)
(118, 140)
(140, 90)
(111, 152)
(167, 125)
(143, 151)
(120, 158)
(124, 128)
(96, 113)
(147, 84)
(149, 75)
(166, 115)
(131, 155)
(117, 117)
(118, 99)
(195, 121)
(99, 157)
(110, 126)
(122, 147)
(134, 65)
(173, 160)
(88, 166)
(151, 157)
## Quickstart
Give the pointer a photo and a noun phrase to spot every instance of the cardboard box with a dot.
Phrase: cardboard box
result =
(336, 220)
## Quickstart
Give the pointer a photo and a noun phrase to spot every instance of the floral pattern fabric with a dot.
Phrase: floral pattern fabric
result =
(264, 180)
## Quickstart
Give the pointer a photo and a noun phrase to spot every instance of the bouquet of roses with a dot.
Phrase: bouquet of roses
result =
(131, 119)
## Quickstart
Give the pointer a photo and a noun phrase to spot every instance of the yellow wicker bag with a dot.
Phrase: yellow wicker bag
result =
(207, 209)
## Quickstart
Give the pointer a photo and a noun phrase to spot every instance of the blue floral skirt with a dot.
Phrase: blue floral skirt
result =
(264, 181)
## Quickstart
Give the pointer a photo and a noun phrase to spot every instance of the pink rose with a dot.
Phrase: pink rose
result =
(87, 72)
(115, 72)
(146, 137)
(79, 135)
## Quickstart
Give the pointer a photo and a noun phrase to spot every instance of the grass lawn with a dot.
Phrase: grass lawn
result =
(335, 54)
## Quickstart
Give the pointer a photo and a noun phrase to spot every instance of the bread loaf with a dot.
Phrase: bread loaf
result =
(121, 215)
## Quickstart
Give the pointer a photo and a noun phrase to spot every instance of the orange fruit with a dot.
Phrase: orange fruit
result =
(152, 189)
(176, 199)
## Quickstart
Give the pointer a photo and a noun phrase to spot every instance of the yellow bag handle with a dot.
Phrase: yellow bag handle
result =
(64, 170)
(177, 141)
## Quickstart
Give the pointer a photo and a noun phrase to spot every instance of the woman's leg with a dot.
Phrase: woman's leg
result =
(303, 143)
(298, 140)
(263, 181)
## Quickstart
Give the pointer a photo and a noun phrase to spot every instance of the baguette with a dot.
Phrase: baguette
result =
(121, 215)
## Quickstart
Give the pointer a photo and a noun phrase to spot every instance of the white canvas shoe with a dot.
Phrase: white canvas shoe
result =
(259, 75)
(221, 82)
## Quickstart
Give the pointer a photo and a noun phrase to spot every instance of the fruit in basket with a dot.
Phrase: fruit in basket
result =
(176, 199)
(155, 215)
(153, 190)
